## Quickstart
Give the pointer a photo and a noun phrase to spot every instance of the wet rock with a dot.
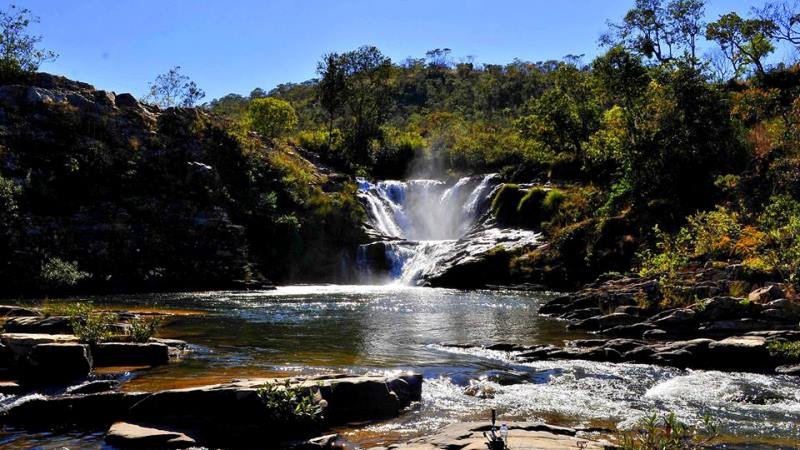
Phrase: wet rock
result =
(93, 409)
(788, 370)
(45, 325)
(323, 442)
(130, 354)
(722, 308)
(766, 294)
(737, 326)
(18, 311)
(675, 358)
(509, 377)
(93, 387)
(10, 388)
(674, 319)
(741, 352)
(636, 330)
(480, 390)
(58, 362)
(128, 435)
(617, 319)
(19, 345)
(655, 334)
(631, 310)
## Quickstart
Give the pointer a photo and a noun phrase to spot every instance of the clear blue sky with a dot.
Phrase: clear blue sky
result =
(235, 46)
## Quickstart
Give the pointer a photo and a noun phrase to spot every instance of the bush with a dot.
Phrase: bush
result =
(291, 408)
(529, 208)
(668, 433)
(89, 326)
(57, 274)
(505, 203)
(272, 117)
(144, 328)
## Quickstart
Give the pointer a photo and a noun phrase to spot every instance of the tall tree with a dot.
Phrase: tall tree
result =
(743, 41)
(786, 17)
(173, 89)
(18, 48)
(332, 87)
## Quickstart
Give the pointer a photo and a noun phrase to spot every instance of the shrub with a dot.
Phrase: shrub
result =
(144, 328)
(272, 117)
(505, 203)
(89, 326)
(530, 208)
(668, 433)
(291, 407)
(59, 274)
(787, 350)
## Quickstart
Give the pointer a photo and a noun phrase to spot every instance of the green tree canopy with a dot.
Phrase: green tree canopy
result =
(18, 48)
(272, 117)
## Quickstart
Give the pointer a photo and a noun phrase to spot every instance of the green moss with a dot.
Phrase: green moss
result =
(504, 204)
(789, 350)
(530, 208)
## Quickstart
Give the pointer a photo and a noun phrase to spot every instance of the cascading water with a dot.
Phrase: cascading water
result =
(418, 223)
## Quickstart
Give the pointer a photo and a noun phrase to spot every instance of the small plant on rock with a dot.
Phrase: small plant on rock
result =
(291, 407)
(144, 328)
(669, 433)
(89, 326)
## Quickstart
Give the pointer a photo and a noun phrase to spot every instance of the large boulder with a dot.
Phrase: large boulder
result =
(18, 311)
(19, 345)
(45, 325)
(766, 294)
(130, 354)
(58, 362)
(128, 435)
(740, 353)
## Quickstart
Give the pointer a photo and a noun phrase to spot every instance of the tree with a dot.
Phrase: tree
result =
(173, 89)
(18, 48)
(332, 88)
(743, 41)
(272, 117)
(658, 30)
(786, 17)
(359, 83)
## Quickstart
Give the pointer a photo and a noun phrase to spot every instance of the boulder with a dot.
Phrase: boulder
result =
(90, 410)
(788, 370)
(740, 353)
(58, 362)
(327, 441)
(126, 100)
(617, 319)
(130, 354)
(674, 319)
(766, 294)
(636, 330)
(19, 345)
(44, 325)
(93, 387)
(18, 311)
(128, 435)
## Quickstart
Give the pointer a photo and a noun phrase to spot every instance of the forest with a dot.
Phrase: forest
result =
(677, 146)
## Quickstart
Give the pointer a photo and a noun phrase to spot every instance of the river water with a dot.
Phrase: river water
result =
(317, 329)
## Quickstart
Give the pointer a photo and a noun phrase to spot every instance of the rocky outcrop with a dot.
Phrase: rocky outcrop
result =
(128, 435)
(630, 307)
(224, 414)
(754, 352)
(521, 435)
(58, 362)
(130, 354)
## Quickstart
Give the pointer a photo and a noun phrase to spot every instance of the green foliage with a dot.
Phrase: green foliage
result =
(19, 53)
(669, 433)
(272, 117)
(144, 328)
(505, 203)
(291, 407)
(785, 349)
(88, 325)
(743, 41)
(58, 274)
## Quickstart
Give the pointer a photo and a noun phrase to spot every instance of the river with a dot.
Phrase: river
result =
(317, 329)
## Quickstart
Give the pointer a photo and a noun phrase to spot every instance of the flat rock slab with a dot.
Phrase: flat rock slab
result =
(47, 325)
(21, 344)
(18, 311)
(522, 435)
(130, 354)
(128, 435)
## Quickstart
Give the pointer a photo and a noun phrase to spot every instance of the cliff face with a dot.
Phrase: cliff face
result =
(101, 192)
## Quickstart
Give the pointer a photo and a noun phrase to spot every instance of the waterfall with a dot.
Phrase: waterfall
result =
(420, 222)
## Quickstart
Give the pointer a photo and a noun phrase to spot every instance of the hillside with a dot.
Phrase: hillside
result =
(100, 192)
